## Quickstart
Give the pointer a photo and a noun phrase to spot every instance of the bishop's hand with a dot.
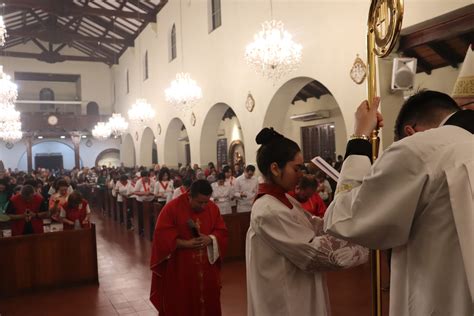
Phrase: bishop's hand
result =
(367, 119)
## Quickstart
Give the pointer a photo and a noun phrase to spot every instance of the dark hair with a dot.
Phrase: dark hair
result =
(144, 173)
(200, 187)
(187, 182)
(275, 148)
(164, 171)
(74, 199)
(60, 183)
(250, 168)
(31, 182)
(123, 177)
(27, 190)
(226, 169)
(221, 176)
(426, 107)
(308, 182)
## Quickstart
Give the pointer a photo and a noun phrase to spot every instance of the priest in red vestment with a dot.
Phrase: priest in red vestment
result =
(189, 242)
(305, 193)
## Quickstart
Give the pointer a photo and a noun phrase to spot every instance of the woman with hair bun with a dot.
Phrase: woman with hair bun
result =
(286, 249)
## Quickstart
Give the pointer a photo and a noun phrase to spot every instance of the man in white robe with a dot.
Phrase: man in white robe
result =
(245, 189)
(417, 198)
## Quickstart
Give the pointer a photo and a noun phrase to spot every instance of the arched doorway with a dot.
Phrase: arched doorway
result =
(304, 110)
(237, 154)
(177, 147)
(92, 108)
(127, 151)
(109, 157)
(147, 145)
(50, 155)
(221, 128)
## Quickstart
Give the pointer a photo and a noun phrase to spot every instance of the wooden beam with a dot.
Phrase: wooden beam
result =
(37, 43)
(449, 55)
(60, 58)
(59, 35)
(440, 28)
(68, 8)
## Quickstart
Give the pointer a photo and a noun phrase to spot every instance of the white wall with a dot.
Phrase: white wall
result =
(292, 129)
(111, 159)
(331, 32)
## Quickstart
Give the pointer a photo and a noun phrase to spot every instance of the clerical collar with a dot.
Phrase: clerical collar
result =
(275, 191)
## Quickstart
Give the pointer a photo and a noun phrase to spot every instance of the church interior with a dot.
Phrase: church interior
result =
(176, 90)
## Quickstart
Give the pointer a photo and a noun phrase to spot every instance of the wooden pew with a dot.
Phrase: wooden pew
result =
(147, 221)
(49, 260)
(237, 225)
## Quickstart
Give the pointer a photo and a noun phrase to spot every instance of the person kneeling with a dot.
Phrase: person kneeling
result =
(75, 213)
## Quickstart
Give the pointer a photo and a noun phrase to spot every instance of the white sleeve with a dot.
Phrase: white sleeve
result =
(375, 206)
(88, 209)
(213, 250)
(303, 247)
(237, 189)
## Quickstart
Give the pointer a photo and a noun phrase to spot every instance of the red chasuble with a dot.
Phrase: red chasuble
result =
(184, 283)
(21, 206)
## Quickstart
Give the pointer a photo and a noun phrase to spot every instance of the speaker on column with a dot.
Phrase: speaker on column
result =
(403, 73)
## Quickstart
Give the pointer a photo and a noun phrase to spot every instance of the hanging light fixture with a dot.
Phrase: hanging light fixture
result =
(10, 123)
(101, 131)
(141, 112)
(117, 124)
(3, 32)
(183, 92)
(273, 53)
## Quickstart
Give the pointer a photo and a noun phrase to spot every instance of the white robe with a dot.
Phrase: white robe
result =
(222, 195)
(286, 251)
(417, 199)
(249, 187)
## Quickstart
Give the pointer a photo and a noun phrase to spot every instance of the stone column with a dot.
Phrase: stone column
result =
(29, 152)
(76, 140)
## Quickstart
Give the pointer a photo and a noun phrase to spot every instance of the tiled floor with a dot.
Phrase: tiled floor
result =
(124, 283)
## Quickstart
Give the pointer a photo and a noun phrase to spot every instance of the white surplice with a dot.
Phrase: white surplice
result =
(417, 199)
(286, 251)
(249, 188)
(222, 195)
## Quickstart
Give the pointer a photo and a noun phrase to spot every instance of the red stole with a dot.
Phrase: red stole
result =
(145, 187)
(177, 269)
(21, 206)
(183, 189)
(77, 213)
(164, 186)
(275, 191)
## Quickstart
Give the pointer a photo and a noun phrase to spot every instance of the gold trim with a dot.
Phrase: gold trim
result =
(464, 87)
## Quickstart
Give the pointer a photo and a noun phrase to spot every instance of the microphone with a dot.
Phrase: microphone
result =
(192, 226)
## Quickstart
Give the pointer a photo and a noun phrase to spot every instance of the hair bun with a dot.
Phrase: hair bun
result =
(267, 135)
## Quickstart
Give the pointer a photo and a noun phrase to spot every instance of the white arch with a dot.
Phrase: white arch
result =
(146, 147)
(174, 144)
(210, 126)
(48, 146)
(281, 108)
(127, 151)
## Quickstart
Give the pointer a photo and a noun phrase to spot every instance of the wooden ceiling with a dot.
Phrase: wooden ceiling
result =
(439, 42)
(314, 89)
(100, 30)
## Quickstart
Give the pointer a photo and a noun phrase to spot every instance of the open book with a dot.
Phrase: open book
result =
(326, 168)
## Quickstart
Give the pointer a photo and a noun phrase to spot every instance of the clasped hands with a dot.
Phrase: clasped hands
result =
(200, 242)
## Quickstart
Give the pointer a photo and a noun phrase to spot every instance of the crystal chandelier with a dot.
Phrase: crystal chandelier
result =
(3, 32)
(117, 124)
(273, 53)
(10, 123)
(141, 112)
(8, 90)
(101, 131)
(183, 92)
